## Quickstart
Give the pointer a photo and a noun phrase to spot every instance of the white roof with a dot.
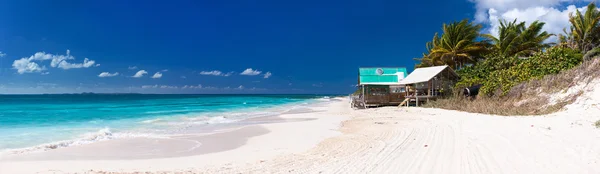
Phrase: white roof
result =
(381, 83)
(420, 75)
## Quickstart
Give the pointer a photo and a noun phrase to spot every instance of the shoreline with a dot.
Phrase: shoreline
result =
(383, 140)
(231, 121)
(265, 137)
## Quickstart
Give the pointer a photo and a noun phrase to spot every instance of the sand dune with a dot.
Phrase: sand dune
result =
(390, 140)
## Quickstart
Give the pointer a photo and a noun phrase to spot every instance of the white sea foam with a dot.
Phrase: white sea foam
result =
(207, 120)
(87, 138)
(168, 111)
(325, 98)
(216, 120)
(152, 120)
(186, 120)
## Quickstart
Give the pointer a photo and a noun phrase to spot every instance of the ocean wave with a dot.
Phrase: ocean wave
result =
(87, 138)
(169, 111)
(152, 120)
(221, 119)
(207, 120)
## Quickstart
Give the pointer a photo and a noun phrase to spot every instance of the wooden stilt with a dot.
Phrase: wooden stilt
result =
(417, 98)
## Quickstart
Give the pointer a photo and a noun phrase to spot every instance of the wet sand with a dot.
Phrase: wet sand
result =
(256, 138)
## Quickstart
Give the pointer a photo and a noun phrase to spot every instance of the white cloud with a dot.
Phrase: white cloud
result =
(132, 67)
(60, 61)
(157, 75)
(199, 86)
(164, 70)
(30, 65)
(149, 86)
(24, 65)
(107, 74)
(168, 87)
(216, 73)
(267, 75)
(159, 86)
(555, 19)
(250, 72)
(240, 87)
(139, 74)
(317, 85)
(2, 54)
(502, 6)
(45, 73)
(552, 12)
(66, 65)
(183, 77)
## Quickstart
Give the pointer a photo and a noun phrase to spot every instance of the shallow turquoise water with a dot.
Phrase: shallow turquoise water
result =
(63, 120)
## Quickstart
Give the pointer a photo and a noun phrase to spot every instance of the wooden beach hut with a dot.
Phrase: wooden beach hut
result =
(379, 86)
(429, 83)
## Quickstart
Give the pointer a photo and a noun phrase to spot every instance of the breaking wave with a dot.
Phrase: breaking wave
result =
(87, 138)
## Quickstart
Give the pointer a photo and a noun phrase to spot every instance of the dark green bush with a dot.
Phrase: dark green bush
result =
(551, 61)
(499, 74)
(480, 72)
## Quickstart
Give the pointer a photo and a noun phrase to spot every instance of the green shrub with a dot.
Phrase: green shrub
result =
(552, 61)
(481, 71)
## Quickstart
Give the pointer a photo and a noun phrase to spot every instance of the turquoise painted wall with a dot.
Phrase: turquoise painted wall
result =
(370, 75)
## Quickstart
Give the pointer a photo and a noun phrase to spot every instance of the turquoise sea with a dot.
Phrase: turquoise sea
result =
(43, 122)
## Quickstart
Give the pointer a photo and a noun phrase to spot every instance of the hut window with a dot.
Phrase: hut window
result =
(397, 89)
(378, 90)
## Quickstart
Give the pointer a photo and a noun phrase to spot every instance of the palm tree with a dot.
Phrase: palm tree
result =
(584, 33)
(427, 60)
(458, 45)
(514, 39)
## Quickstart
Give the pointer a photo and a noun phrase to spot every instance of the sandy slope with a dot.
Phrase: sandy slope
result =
(398, 140)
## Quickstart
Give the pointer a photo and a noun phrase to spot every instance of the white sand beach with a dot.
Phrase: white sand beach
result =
(338, 139)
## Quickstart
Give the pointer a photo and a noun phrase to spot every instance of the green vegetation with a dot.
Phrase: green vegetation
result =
(499, 80)
(518, 53)
(456, 47)
(517, 63)
(584, 33)
(514, 39)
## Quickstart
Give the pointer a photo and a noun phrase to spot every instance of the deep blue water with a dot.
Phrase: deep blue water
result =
(34, 120)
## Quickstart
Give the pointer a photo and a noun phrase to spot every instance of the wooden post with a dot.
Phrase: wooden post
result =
(429, 90)
(429, 87)
(417, 98)
(364, 95)
(407, 95)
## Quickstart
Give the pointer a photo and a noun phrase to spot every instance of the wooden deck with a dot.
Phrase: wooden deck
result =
(417, 100)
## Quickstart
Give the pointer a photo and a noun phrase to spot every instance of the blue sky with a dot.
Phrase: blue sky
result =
(224, 46)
